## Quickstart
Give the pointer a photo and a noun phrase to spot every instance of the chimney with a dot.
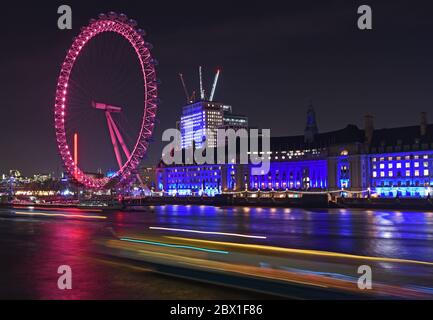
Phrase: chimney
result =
(423, 126)
(369, 128)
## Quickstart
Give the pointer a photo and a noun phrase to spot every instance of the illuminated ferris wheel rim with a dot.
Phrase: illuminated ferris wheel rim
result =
(127, 29)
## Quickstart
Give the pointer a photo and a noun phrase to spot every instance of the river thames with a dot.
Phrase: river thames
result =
(322, 243)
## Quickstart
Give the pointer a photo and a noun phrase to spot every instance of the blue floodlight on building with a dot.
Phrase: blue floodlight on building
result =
(200, 120)
(396, 162)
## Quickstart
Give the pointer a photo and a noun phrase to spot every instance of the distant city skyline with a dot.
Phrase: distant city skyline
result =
(274, 60)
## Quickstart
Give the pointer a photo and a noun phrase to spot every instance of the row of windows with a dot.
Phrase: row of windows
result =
(407, 173)
(292, 185)
(183, 175)
(399, 165)
(401, 183)
(195, 169)
(284, 178)
(198, 181)
(189, 186)
(398, 158)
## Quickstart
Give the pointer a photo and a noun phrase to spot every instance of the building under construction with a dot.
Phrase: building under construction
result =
(202, 116)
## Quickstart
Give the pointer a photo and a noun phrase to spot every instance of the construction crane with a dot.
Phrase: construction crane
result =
(188, 98)
(202, 97)
(192, 97)
(214, 85)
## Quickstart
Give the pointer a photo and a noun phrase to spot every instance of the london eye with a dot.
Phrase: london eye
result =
(106, 110)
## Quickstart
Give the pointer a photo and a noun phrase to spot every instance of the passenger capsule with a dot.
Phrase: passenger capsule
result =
(132, 22)
(123, 17)
(142, 32)
(112, 15)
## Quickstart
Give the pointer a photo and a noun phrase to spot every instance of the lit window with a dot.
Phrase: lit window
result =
(382, 166)
(389, 158)
(416, 173)
(390, 173)
(425, 157)
(390, 166)
(382, 174)
(416, 164)
(374, 159)
(425, 164)
(382, 159)
(426, 172)
(374, 174)
(407, 164)
(399, 165)
(407, 173)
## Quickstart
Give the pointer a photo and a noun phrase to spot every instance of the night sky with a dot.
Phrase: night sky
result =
(275, 56)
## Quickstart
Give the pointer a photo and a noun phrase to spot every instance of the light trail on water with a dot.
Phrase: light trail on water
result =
(208, 232)
(304, 252)
(161, 244)
(46, 214)
(60, 208)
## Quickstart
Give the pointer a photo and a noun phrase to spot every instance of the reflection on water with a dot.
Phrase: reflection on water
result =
(64, 244)
(33, 248)
(399, 234)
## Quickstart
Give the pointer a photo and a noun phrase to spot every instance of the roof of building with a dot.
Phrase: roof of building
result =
(387, 137)
(349, 134)
(401, 136)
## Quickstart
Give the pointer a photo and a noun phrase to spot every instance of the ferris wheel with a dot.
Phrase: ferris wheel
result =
(127, 157)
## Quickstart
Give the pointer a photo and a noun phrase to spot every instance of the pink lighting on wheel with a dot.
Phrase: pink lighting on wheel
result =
(135, 38)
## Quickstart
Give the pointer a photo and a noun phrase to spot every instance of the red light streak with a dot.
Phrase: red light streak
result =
(76, 154)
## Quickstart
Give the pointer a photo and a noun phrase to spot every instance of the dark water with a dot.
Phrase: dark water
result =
(396, 234)
(31, 249)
